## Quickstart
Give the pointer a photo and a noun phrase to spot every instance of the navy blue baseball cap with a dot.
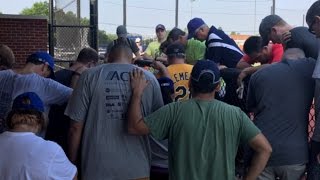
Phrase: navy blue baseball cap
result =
(193, 25)
(203, 67)
(166, 83)
(45, 58)
(28, 101)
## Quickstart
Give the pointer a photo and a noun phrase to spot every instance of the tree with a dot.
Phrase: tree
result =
(38, 8)
(65, 18)
(233, 33)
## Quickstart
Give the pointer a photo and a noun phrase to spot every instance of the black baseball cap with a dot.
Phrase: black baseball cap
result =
(266, 25)
(122, 31)
(203, 67)
(176, 49)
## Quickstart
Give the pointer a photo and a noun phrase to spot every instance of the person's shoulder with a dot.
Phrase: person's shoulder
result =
(51, 146)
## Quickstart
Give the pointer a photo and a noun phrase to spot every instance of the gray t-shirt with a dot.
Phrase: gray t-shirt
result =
(100, 101)
(13, 84)
(280, 96)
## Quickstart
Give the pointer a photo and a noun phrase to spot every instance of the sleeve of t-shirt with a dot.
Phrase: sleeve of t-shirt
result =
(55, 93)
(277, 52)
(251, 96)
(160, 122)
(148, 50)
(200, 50)
(61, 167)
(157, 101)
(248, 129)
(78, 104)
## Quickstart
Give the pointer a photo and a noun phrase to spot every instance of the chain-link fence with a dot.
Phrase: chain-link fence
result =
(69, 40)
(70, 28)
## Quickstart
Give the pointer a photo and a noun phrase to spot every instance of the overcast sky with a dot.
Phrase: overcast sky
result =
(243, 16)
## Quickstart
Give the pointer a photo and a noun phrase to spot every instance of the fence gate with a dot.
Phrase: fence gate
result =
(73, 25)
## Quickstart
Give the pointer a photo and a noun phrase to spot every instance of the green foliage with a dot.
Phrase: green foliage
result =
(38, 8)
(233, 33)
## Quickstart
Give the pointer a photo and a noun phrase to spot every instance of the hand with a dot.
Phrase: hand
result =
(286, 37)
(222, 67)
(158, 65)
(241, 76)
(162, 59)
(138, 82)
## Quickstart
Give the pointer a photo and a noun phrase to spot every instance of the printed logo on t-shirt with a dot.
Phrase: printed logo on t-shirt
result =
(117, 94)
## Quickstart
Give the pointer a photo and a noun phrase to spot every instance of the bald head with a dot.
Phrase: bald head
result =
(293, 54)
(120, 52)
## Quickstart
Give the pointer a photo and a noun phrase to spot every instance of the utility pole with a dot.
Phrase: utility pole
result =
(255, 17)
(125, 13)
(78, 12)
(273, 10)
(177, 13)
(303, 19)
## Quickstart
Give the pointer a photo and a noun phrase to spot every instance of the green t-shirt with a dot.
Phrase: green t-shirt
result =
(153, 49)
(195, 50)
(203, 137)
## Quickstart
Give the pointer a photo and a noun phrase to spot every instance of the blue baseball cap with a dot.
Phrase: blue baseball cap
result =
(203, 67)
(193, 25)
(45, 58)
(28, 101)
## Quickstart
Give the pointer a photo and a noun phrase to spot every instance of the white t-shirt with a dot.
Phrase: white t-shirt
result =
(25, 156)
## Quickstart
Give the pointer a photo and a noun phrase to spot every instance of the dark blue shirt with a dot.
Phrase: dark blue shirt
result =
(280, 96)
(222, 49)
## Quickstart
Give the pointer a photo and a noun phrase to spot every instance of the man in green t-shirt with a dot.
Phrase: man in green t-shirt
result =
(203, 133)
(152, 51)
(195, 50)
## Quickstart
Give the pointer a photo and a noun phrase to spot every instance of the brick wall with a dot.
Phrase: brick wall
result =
(24, 35)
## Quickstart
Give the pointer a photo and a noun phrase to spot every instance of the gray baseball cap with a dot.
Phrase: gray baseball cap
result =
(122, 31)
(266, 25)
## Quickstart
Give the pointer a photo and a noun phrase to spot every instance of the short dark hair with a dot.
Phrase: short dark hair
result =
(204, 85)
(7, 58)
(87, 55)
(313, 11)
(39, 120)
(163, 47)
(117, 50)
(174, 34)
(253, 44)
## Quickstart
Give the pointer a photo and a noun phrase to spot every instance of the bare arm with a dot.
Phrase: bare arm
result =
(263, 151)
(136, 124)
(138, 56)
(146, 56)
(74, 139)
(249, 71)
(75, 176)
(163, 71)
(243, 64)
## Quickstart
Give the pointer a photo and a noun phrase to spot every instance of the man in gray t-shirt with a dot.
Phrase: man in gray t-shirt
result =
(98, 109)
(280, 96)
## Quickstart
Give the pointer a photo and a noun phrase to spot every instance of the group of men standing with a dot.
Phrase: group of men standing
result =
(115, 120)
